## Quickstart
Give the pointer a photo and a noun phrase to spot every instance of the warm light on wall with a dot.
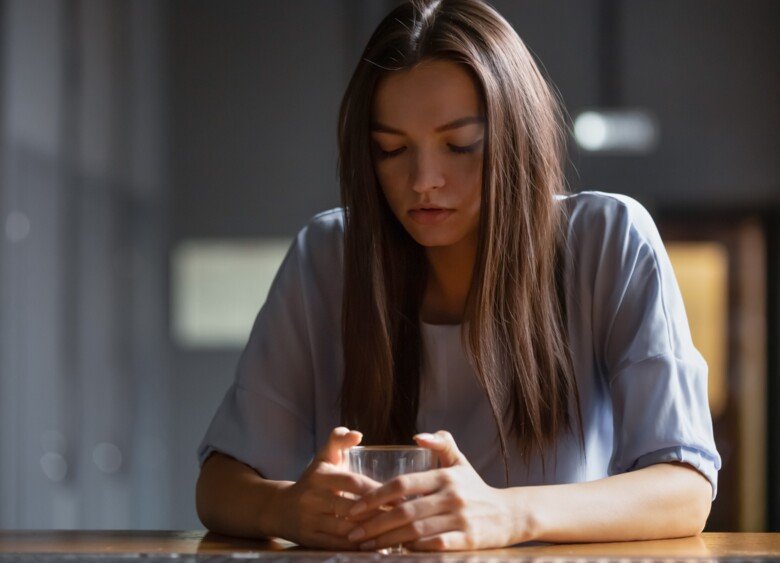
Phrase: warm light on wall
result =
(701, 269)
(217, 288)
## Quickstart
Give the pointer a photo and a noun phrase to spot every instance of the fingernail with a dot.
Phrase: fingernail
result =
(357, 509)
(368, 545)
(428, 437)
(356, 534)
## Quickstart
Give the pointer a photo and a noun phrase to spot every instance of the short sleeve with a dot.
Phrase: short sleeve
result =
(266, 417)
(657, 378)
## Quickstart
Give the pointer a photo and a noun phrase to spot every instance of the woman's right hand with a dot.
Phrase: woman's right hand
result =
(313, 512)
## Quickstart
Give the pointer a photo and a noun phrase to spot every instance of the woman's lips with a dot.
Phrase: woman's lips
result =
(429, 216)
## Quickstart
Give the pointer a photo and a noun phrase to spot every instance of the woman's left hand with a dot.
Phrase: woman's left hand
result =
(457, 509)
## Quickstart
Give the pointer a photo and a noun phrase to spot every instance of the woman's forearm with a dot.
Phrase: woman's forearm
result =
(232, 499)
(665, 500)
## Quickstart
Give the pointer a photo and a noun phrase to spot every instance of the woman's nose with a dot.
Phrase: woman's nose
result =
(427, 174)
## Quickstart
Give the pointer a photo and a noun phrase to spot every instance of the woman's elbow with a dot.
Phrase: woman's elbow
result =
(690, 493)
(698, 501)
(703, 506)
(203, 504)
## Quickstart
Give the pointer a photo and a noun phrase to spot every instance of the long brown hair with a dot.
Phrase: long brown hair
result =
(516, 333)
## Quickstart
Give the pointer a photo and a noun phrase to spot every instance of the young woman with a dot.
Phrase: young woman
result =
(537, 339)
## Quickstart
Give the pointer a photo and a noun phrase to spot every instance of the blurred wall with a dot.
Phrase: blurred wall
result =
(128, 128)
(83, 374)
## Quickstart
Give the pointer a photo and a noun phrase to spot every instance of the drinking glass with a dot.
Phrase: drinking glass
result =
(383, 463)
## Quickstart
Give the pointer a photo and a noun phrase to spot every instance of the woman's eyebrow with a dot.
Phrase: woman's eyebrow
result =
(460, 122)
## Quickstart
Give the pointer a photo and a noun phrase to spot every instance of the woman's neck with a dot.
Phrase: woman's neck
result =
(449, 280)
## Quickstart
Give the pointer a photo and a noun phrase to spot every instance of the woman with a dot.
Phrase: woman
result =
(544, 332)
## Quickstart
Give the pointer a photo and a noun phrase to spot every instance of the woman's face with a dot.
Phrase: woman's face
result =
(427, 132)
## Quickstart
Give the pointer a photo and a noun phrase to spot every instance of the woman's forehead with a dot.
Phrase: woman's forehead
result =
(424, 97)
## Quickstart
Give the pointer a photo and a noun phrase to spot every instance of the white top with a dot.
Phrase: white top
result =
(642, 384)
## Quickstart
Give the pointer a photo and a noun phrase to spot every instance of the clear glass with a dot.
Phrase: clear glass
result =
(383, 463)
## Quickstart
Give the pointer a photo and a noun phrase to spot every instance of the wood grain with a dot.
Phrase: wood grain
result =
(705, 546)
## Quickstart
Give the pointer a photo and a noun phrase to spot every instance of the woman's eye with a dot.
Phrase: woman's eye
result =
(382, 154)
(470, 148)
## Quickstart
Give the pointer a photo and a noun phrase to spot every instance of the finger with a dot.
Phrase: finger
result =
(448, 541)
(402, 515)
(445, 447)
(423, 483)
(414, 531)
(339, 506)
(340, 438)
(333, 503)
(364, 516)
(333, 526)
(335, 480)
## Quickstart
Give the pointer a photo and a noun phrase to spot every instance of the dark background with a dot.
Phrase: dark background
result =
(129, 127)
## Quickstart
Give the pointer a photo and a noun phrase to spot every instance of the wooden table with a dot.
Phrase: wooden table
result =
(201, 546)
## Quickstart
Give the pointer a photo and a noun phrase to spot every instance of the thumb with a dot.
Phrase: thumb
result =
(340, 439)
(444, 445)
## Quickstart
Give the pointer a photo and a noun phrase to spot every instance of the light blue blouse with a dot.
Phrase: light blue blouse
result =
(642, 383)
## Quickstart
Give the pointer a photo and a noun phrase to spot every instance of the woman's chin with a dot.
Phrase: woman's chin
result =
(438, 235)
(432, 239)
